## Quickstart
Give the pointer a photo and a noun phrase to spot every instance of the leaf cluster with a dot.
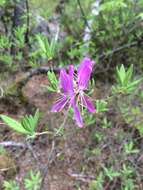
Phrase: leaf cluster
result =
(26, 126)
(125, 82)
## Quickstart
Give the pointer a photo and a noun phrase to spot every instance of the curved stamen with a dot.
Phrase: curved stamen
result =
(60, 99)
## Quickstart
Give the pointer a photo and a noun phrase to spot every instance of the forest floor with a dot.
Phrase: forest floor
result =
(72, 160)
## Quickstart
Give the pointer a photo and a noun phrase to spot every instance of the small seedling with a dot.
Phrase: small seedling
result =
(33, 181)
(111, 173)
(106, 124)
(126, 84)
(53, 87)
(129, 148)
(101, 106)
(19, 33)
(98, 183)
(47, 49)
(11, 185)
(26, 126)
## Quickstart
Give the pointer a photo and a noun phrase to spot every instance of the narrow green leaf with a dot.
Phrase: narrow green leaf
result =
(41, 42)
(36, 119)
(129, 75)
(13, 124)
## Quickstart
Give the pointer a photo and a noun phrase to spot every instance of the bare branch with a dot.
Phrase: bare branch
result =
(83, 14)
(1, 92)
(88, 29)
(12, 143)
(49, 160)
(81, 177)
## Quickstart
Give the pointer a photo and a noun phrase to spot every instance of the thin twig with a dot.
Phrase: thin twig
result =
(45, 173)
(28, 23)
(83, 14)
(52, 151)
(44, 133)
(99, 68)
(1, 92)
(81, 177)
(118, 49)
(12, 143)
(32, 152)
(62, 125)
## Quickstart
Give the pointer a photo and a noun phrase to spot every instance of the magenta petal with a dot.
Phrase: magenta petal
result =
(84, 72)
(88, 104)
(77, 116)
(66, 82)
(71, 72)
(59, 105)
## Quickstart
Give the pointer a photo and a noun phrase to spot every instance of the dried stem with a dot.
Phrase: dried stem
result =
(50, 155)
(28, 23)
(81, 177)
(1, 92)
(12, 143)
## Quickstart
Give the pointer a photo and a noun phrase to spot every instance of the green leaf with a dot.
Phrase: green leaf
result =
(134, 83)
(15, 125)
(53, 81)
(30, 122)
(101, 106)
(129, 75)
(140, 16)
(112, 5)
(36, 119)
(121, 73)
(47, 48)
(51, 89)
(41, 42)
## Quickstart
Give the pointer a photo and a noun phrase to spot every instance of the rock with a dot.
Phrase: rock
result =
(48, 28)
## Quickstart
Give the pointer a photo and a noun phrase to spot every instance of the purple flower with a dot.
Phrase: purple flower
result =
(66, 91)
(72, 90)
(84, 73)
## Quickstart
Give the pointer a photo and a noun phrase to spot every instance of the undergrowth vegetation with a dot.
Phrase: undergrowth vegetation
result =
(83, 59)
